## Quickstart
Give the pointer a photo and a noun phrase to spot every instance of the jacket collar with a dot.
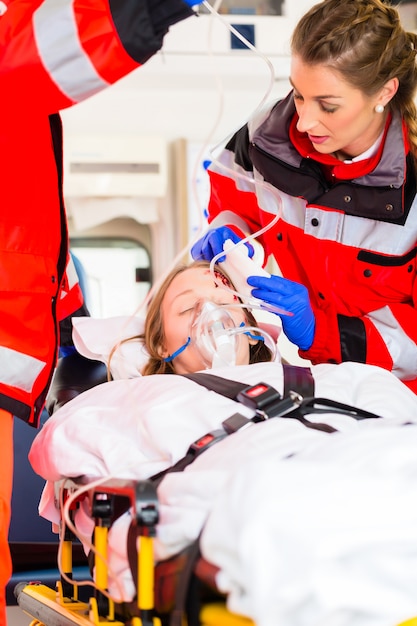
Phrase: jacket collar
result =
(278, 136)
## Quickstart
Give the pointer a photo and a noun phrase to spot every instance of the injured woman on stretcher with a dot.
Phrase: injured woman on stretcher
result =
(304, 525)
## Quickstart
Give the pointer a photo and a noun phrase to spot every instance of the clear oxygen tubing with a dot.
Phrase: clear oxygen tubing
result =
(66, 522)
(197, 164)
(234, 174)
(204, 150)
(215, 15)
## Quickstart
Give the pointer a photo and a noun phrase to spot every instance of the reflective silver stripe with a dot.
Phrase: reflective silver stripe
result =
(225, 165)
(19, 370)
(59, 47)
(349, 230)
(71, 273)
(270, 199)
(359, 232)
(402, 349)
(228, 217)
(268, 196)
(328, 224)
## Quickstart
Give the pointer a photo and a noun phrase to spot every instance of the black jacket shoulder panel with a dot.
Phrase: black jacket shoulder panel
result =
(240, 146)
(142, 24)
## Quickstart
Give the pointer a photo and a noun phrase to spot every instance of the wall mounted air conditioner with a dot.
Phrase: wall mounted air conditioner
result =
(122, 166)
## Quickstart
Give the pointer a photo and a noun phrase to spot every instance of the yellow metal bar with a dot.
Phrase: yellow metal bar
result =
(216, 613)
(41, 602)
(66, 557)
(145, 573)
(100, 544)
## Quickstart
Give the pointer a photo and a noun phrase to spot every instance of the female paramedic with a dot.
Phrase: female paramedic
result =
(334, 165)
(53, 55)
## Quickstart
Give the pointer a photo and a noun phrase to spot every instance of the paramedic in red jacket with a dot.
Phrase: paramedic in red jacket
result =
(53, 55)
(336, 159)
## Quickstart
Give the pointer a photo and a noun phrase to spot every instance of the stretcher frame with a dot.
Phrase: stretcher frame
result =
(62, 607)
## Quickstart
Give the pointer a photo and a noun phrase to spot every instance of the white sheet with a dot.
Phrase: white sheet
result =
(328, 536)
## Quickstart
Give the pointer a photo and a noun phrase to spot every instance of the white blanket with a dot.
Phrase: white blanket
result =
(306, 527)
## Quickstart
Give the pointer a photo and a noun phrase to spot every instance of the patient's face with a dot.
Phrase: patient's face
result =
(184, 294)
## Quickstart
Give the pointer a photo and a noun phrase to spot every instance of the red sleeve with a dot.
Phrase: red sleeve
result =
(57, 54)
(224, 196)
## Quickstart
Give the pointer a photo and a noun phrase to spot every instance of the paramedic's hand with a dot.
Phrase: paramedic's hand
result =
(292, 297)
(191, 3)
(212, 243)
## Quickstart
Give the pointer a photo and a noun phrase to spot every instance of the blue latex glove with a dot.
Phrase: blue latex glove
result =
(292, 297)
(212, 243)
(191, 3)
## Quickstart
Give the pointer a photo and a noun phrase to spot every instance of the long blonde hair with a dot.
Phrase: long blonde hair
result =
(364, 41)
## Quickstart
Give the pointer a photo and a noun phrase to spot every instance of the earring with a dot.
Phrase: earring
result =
(379, 108)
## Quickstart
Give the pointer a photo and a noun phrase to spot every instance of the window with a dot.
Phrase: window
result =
(115, 274)
(249, 7)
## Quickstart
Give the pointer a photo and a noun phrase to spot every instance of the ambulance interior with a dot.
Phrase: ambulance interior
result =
(136, 188)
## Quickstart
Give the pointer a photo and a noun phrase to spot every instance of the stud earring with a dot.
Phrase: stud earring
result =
(379, 108)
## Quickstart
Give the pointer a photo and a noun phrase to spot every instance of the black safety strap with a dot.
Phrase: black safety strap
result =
(267, 402)
(298, 399)
(298, 379)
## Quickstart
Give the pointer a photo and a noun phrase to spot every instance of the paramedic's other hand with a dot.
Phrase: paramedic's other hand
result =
(292, 297)
(212, 243)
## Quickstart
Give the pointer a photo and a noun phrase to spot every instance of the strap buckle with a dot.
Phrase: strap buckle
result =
(267, 402)
(205, 442)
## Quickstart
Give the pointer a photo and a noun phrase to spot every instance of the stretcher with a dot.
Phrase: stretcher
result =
(166, 605)
(178, 590)
(159, 600)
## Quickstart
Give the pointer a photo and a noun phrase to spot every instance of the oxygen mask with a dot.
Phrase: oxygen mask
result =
(219, 339)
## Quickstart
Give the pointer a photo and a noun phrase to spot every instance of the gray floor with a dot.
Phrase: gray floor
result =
(16, 617)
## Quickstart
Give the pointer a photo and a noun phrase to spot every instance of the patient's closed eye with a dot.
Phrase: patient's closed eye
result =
(189, 305)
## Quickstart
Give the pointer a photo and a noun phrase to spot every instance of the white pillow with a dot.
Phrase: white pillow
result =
(96, 338)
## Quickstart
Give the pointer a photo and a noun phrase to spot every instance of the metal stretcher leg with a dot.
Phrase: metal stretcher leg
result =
(52, 608)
